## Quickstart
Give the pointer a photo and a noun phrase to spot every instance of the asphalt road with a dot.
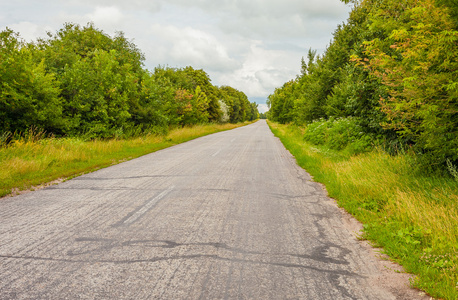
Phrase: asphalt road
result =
(226, 216)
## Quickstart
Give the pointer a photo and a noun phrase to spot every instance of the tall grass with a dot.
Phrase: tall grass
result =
(31, 160)
(412, 216)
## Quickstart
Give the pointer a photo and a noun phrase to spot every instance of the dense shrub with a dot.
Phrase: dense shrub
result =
(339, 134)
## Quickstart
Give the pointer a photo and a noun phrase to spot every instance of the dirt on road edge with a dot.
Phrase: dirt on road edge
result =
(392, 276)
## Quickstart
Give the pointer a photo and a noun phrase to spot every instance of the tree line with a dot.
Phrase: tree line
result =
(81, 81)
(392, 69)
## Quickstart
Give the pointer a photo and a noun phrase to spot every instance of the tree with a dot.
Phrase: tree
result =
(283, 102)
(99, 76)
(97, 90)
(149, 111)
(204, 106)
(254, 113)
(418, 63)
(238, 103)
(201, 80)
(29, 96)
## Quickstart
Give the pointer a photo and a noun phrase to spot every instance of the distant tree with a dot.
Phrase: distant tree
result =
(283, 102)
(204, 106)
(254, 113)
(201, 80)
(238, 103)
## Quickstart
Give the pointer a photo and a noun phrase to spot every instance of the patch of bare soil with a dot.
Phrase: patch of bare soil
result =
(16, 191)
(392, 276)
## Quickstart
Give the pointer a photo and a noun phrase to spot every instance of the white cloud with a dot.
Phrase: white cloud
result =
(262, 108)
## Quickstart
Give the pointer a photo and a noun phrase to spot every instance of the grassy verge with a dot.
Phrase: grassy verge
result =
(413, 217)
(32, 161)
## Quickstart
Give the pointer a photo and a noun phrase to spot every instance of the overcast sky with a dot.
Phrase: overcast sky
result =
(251, 45)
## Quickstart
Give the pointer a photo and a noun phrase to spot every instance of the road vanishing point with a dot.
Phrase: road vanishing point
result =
(226, 216)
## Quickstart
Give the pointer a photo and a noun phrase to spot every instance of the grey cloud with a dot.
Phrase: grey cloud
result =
(281, 9)
(272, 78)
(153, 6)
(270, 8)
(252, 45)
(190, 46)
(106, 15)
(288, 45)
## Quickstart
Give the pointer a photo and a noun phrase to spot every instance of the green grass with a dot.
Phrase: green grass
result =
(32, 161)
(413, 217)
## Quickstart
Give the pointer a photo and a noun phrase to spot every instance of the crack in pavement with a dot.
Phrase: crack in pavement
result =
(194, 256)
(317, 254)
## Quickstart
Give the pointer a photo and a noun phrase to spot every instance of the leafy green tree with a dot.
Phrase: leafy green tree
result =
(183, 100)
(74, 42)
(314, 87)
(97, 89)
(99, 76)
(238, 104)
(282, 102)
(200, 105)
(196, 83)
(418, 63)
(29, 96)
(201, 80)
(254, 113)
(149, 110)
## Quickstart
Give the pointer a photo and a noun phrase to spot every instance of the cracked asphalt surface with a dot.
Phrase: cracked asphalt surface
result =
(226, 216)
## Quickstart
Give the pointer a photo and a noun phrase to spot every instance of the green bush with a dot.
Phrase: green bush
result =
(339, 134)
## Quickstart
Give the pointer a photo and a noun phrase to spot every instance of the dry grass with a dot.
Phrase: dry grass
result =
(426, 203)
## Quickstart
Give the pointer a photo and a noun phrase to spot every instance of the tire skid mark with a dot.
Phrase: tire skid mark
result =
(147, 206)
(181, 257)
(74, 224)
